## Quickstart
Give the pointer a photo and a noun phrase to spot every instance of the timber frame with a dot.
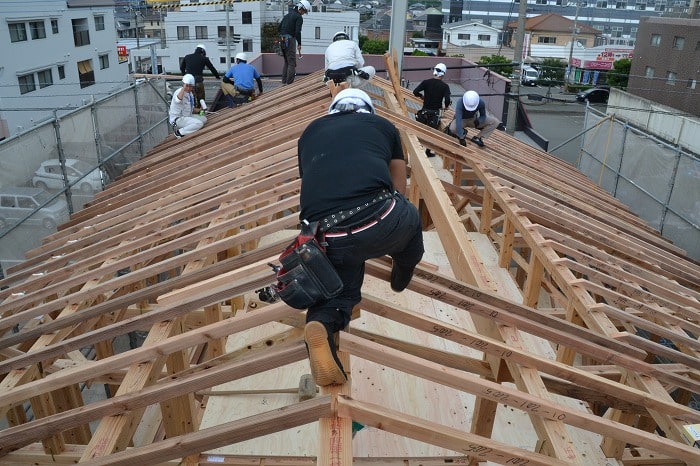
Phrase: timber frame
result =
(545, 298)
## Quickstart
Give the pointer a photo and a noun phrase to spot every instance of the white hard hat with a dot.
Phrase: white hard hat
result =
(305, 5)
(470, 100)
(351, 100)
(201, 46)
(440, 69)
(340, 35)
(242, 56)
(188, 79)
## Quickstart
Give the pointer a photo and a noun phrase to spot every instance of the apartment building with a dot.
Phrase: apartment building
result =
(207, 24)
(57, 56)
(666, 65)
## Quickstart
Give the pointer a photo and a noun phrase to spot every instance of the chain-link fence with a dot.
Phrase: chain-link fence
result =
(657, 180)
(56, 168)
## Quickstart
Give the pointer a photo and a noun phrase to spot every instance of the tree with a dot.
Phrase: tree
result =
(268, 35)
(552, 71)
(375, 47)
(497, 60)
(621, 73)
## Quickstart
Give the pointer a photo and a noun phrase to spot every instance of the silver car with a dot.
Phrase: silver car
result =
(17, 203)
(49, 175)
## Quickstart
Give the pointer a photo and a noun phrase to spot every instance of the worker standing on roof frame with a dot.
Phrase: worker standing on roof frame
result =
(433, 92)
(353, 180)
(290, 39)
(194, 64)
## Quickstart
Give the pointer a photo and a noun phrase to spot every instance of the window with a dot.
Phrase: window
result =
(616, 31)
(104, 61)
(183, 33)
(81, 34)
(671, 78)
(633, 33)
(649, 72)
(697, 46)
(660, 5)
(221, 32)
(247, 45)
(655, 40)
(546, 40)
(222, 60)
(200, 32)
(37, 29)
(678, 42)
(601, 4)
(621, 4)
(582, 41)
(317, 32)
(85, 73)
(247, 17)
(26, 83)
(99, 23)
(464, 36)
(54, 26)
(691, 84)
(485, 37)
(45, 78)
(61, 72)
(541, 2)
(641, 5)
(18, 32)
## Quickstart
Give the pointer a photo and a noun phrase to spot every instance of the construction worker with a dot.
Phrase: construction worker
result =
(240, 80)
(290, 39)
(352, 167)
(434, 93)
(182, 107)
(194, 64)
(470, 112)
(344, 59)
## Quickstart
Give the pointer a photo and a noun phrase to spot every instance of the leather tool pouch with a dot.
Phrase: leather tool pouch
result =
(428, 117)
(306, 276)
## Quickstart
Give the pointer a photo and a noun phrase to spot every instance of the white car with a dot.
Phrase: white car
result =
(49, 175)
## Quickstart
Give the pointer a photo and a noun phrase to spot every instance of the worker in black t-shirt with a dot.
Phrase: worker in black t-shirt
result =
(194, 64)
(353, 179)
(435, 91)
(289, 30)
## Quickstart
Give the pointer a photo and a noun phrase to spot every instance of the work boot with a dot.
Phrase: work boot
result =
(326, 368)
(178, 134)
(477, 140)
(400, 277)
(429, 153)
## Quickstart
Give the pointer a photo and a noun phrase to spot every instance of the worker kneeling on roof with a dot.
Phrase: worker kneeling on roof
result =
(182, 115)
(353, 180)
(240, 80)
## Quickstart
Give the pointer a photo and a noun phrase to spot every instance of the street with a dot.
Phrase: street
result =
(557, 117)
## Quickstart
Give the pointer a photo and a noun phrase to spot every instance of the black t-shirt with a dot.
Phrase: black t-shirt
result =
(434, 92)
(344, 162)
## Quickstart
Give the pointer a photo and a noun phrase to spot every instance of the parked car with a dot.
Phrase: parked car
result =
(49, 175)
(529, 76)
(594, 95)
(16, 203)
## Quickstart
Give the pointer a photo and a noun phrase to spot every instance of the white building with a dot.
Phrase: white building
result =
(469, 34)
(206, 24)
(57, 55)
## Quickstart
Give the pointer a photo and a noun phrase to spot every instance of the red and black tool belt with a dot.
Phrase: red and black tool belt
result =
(306, 276)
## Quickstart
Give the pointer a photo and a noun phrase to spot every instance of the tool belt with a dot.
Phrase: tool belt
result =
(307, 276)
(428, 117)
(340, 75)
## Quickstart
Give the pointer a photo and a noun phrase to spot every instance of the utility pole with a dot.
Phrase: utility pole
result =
(573, 39)
(228, 36)
(517, 56)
